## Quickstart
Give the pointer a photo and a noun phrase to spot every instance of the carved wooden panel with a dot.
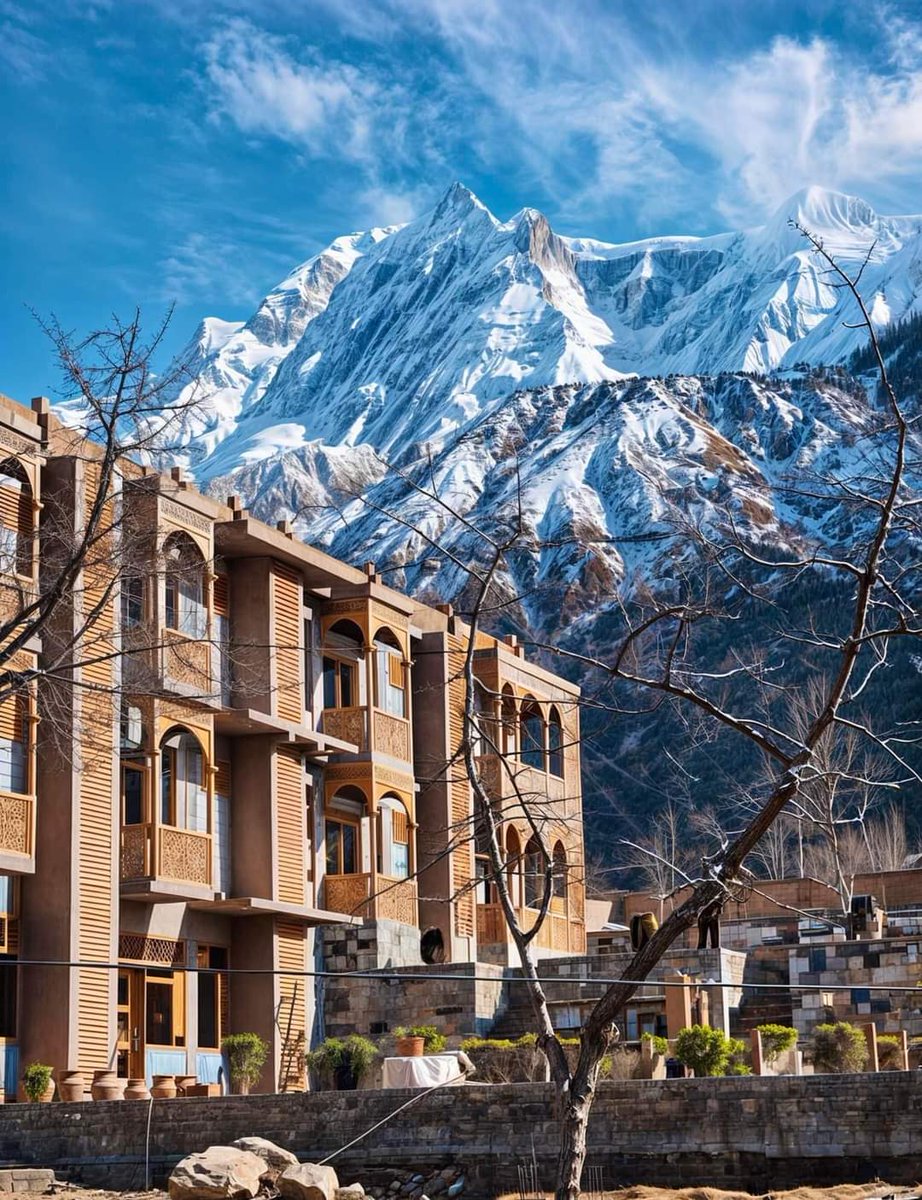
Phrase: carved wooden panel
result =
(16, 824)
(186, 661)
(347, 894)
(491, 926)
(396, 900)
(138, 948)
(392, 736)
(185, 855)
(135, 860)
(348, 724)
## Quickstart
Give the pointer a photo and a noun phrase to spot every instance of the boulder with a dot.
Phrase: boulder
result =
(218, 1173)
(352, 1191)
(273, 1156)
(308, 1181)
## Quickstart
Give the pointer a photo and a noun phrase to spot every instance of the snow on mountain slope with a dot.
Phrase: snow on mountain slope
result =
(401, 337)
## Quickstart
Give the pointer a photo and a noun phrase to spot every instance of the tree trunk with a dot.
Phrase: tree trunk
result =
(574, 1123)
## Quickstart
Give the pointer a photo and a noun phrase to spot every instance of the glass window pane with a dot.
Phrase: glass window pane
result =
(333, 829)
(348, 834)
(400, 860)
(8, 975)
(166, 787)
(329, 683)
(346, 697)
(132, 795)
(160, 1013)
(208, 1010)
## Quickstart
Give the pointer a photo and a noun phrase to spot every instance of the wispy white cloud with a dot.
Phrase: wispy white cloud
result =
(255, 80)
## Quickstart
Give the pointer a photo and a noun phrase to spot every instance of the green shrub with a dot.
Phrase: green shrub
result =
(710, 1052)
(434, 1040)
(246, 1054)
(354, 1053)
(889, 1052)
(35, 1080)
(776, 1039)
(839, 1049)
(660, 1044)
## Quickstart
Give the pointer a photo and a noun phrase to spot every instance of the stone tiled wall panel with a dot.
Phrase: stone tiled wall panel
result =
(757, 1133)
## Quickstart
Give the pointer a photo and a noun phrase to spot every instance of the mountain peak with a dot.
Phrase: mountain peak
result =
(458, 200)
(818, 208)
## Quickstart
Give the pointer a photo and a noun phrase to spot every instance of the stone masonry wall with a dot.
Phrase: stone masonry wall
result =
(758, 1133)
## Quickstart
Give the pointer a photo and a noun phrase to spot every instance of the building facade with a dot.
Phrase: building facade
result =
(232, 741)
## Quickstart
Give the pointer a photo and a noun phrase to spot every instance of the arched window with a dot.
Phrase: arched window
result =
(534, 873)
(15, 519)
(555, 744)
(185, 586)
(390, 676)
(394, 838)
(509, 722)
(183, 797)
(532, 735)
(514, 865)
(342, 652)
(342, 831)
(560, 871)
(14, 743)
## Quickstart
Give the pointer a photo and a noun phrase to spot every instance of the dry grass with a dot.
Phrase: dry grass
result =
(845, 1191)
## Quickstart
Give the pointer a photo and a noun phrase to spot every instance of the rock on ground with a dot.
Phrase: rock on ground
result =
(308, 1181)
(218, 1173)
(273, 1156)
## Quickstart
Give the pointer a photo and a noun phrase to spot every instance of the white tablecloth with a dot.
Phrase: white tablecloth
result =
(423, 1072)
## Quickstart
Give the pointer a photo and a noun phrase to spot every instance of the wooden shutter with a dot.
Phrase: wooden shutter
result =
(13, 719)
(400, 830)
(222, 779)
(222, 596)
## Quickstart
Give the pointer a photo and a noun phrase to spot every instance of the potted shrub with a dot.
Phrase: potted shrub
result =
(889, 1052)
(37, 1082)
(707, 1051)
(415, 1040)
(839, 1048)
(342, 1063)
(775, 1040)
(245, 1053)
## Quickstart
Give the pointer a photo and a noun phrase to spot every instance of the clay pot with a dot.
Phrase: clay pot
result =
(240, 1087)
(71, 1086)
(45, 1098)
(107, 1086)
(185, 1081)
(136, 1089)
(410, 1047)
(164, 1087)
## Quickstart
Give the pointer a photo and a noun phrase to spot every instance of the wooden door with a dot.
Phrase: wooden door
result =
(130, 1024)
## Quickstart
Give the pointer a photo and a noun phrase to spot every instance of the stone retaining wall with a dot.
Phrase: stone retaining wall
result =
(757, 1133)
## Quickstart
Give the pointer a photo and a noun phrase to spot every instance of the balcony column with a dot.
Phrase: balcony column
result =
(372, 859)
(411, 848)
(369, 652)
(154, 844)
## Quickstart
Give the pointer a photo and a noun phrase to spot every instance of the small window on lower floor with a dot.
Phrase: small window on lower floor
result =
(164, 1004)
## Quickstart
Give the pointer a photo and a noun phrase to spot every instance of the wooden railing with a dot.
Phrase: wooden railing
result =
(16, 823)
(557, 933)
(347, 894)
(392, 735)
(163, 852)
(347, 724)
(396, 900)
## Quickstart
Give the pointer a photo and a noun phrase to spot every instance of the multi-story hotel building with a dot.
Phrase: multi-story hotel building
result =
(233, 739)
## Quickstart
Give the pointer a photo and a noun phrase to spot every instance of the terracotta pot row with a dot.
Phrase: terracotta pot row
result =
(107, 1085)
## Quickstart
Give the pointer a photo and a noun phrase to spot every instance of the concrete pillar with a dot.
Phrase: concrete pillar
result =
(678, 1005)
(870, 1034)
(758, 1060)
(904, 1050)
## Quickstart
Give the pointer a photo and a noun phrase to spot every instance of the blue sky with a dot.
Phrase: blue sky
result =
(160, 151)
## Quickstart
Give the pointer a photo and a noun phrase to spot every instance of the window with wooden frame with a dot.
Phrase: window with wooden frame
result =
(185, 587)
(183, 796)
(165, 1008)
(561, 873)
(395, 840)
(221, 596)
(16, 540)
(342, 846)
(532, 736)
(132, 602)
(9, 978)
(555, 744)
(390, 678)
(134, 791)
(339, 683)
(213, 996)
(15, 729)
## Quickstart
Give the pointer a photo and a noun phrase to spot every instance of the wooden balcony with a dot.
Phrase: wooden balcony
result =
(372, 896)
(17, 833)
(392, 735)
(558, 932)
(160, 862)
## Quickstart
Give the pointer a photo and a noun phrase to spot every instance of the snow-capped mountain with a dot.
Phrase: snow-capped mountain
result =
(404, 336)
(609, 394)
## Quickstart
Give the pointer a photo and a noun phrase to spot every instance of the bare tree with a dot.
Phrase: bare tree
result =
(665, 653)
